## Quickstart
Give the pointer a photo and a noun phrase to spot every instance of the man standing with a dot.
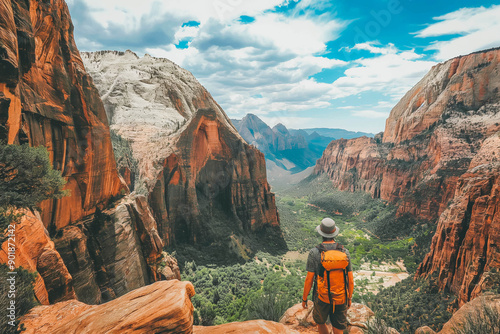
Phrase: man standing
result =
(329, 267)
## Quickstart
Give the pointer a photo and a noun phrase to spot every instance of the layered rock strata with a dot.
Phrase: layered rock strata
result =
(192, 163)
(162, 307)
(35, 251)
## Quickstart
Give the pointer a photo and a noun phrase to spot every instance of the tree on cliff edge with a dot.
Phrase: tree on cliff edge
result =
(26, 179)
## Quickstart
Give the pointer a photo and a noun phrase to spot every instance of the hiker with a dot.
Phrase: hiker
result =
(329, 268)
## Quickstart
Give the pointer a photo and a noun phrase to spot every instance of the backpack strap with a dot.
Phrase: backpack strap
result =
(346, 283)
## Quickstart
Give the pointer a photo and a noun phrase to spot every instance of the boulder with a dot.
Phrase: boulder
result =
(162, 307)
(297, 317)
(473, 307)
(359, 314)
(425, 330)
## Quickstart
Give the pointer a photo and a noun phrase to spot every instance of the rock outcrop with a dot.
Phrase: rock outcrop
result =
(162, 307)
(47, 98)
(104, 246)
(35, 252)
(192, 163)
(438, 160)
(474, 308)
(301, 320)
(112, 252)
(252, 326)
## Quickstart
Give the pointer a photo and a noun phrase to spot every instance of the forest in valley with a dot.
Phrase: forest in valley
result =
(266, 284)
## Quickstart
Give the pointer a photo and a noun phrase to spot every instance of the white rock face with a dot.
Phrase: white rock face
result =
(149, 101)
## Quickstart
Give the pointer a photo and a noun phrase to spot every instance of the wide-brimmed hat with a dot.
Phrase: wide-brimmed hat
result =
(327, 228)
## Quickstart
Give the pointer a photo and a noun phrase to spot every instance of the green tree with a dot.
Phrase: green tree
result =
(26, 179)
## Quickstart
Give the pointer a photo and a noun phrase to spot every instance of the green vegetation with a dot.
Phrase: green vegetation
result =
(25, 297)
(261, 289)
(26, 179)
(486, 319)
(412, 304)
(367, 225)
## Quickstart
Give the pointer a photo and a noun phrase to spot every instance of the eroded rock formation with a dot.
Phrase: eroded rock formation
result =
(35, 252)
(47, 98)
(162, 307)
(438, 160)
(192, 163)
(109, 246)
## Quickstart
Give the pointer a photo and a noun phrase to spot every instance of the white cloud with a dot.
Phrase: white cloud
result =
(391, 72)
(478, 28)
(370, 46)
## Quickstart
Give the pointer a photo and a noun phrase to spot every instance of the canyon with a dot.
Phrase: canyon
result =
(438, 160)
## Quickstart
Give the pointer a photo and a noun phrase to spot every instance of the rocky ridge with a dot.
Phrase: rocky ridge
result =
(192, 162)
(438, 160)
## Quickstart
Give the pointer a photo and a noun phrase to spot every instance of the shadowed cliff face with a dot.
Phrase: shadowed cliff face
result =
(192, 163)
(438, 160)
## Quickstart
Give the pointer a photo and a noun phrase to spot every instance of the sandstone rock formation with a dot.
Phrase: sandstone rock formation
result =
(36, 252)
(108, 246)
(192, 163)
(301, 320)
(47, 98)
(114, 251)
(425, 330)
(162, 307)
(473, 307)
(438, 160)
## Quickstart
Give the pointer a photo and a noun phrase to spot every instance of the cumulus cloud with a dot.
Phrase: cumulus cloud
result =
(390, 71)
(478, 29)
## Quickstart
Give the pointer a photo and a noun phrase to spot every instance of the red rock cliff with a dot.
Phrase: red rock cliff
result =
(191, 161)
(437, 160)
(47, 98)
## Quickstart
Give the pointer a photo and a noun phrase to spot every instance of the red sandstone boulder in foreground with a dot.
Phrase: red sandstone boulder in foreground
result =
(162, 307)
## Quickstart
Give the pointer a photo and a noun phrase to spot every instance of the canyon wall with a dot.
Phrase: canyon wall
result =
(90, 238)
(438, 160)
(187, 157)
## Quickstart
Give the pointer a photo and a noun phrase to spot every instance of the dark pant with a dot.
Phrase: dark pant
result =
(321, 312)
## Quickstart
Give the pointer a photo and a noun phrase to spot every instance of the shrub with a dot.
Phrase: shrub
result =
(27, 177)
(485, 319)
(268, 305)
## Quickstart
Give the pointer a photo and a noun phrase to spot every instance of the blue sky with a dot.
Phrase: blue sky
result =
(305, 63)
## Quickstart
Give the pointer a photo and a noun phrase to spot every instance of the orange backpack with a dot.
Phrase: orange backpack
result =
(332, 281)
